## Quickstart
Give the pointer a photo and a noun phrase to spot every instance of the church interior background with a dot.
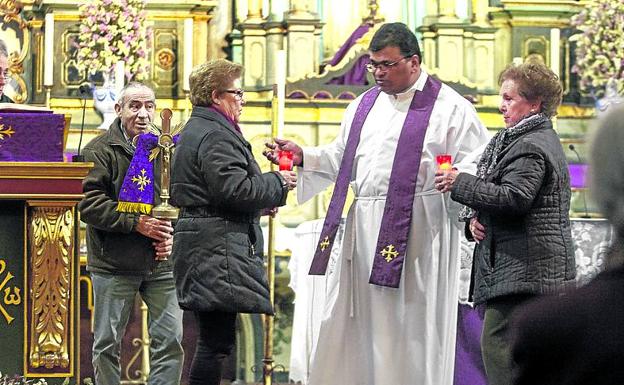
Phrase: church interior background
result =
(465, 43)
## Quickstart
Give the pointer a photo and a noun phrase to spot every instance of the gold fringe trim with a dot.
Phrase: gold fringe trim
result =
(134, 207)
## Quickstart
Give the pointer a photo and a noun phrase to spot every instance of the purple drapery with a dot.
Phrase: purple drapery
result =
(31, 137)
(469, 368)
(356, 76)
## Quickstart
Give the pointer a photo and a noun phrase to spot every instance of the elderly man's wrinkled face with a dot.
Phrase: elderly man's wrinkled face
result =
(137, 110)
(4, 72)
(514, 106)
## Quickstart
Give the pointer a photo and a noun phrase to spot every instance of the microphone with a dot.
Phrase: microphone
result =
(84, 91)
(578, 157)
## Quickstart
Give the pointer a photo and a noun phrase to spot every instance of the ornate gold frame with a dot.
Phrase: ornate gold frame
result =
(10, 10)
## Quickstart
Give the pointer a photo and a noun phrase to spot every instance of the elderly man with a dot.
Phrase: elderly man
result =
(394, 319)
(4, 71)
(128, 249)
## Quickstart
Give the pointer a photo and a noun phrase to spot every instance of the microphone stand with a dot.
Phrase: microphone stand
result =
(83, 90)
(578, 157)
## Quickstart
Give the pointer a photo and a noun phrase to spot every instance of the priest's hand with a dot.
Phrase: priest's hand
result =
(157, 229)
(271, 152)
(444, 180)
(476, 229)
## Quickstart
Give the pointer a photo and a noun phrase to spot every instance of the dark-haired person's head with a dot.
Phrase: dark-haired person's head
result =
(394, 58)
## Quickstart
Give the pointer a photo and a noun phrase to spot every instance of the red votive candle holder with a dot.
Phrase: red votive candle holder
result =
(444, 162)
(285, 160)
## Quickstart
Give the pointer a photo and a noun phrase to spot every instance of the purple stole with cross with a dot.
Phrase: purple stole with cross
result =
(397, 216)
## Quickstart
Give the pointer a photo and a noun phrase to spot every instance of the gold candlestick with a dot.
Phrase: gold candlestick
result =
(165, 141)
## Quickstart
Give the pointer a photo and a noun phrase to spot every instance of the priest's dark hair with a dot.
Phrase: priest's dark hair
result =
(396, 35)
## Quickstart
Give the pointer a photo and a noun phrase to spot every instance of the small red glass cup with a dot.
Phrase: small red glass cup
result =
(445, 162)
(285, 160)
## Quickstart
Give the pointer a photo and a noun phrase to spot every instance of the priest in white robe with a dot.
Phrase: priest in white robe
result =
(391, 325)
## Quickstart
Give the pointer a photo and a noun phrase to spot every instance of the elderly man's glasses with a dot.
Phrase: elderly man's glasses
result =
(238, 93)
(384, 65)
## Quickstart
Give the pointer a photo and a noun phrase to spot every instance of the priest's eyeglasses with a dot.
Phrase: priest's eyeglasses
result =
(238, 93)
(384, 65)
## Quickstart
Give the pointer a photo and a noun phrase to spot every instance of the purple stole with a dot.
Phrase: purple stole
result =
(397, 216)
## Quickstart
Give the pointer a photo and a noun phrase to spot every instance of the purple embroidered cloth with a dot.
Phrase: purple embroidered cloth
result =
(334, 212)
(31, 137)
(137, 189)
(395, 224)
(397, 216)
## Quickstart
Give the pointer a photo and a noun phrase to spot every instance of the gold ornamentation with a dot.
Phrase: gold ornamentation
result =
(11, 10)
(9, 298)
(51, 253)
(389, 253)
(324, 244)
(8, 132)
(166, 58)
(141, 180)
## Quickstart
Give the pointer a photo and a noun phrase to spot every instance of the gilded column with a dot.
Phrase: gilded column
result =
(299, 7)
(274, 35)
(480, 12)
(254, 46)
(254, 10)
(302, 39)
(447, 11)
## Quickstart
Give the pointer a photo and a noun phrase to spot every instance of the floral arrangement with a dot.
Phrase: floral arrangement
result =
(599, 46)
(19, 380)
(113, 30)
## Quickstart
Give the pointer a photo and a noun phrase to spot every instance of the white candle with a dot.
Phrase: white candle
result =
(555, 39)
(280, 81)
(120, 75)
(48, 71)
(188, 53)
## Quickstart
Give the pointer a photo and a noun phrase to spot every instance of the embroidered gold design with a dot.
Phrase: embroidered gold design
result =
(8, 132)
(389, 253)
(324, 244)
(141, 180)
(9, 298)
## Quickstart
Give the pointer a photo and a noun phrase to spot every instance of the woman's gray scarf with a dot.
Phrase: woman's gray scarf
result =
(499, 142)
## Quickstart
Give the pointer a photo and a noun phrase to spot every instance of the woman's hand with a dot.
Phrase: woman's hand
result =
(290, 177)
(476, 229)
(271, 151)
(444, 180)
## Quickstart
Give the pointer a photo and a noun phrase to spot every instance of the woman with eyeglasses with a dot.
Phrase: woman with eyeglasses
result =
(217, 243)
(516, 209)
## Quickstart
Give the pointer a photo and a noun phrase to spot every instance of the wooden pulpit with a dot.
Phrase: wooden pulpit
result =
(39, 269)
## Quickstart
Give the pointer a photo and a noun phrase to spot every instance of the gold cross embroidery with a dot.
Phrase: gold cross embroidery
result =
(141, 180)
(324, 244)
(389, 253)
